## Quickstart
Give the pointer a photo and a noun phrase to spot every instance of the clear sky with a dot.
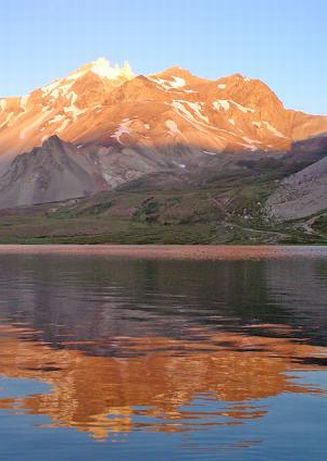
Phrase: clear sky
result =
(282, 42)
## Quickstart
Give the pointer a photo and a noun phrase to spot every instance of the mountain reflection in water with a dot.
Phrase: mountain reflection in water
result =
(161, 344)
(104, 394)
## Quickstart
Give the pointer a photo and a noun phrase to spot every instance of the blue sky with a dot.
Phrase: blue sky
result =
(282, 42)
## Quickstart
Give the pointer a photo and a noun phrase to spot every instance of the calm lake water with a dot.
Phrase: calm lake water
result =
(163, 353)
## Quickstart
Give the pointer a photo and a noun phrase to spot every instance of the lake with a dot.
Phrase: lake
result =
(163, 353)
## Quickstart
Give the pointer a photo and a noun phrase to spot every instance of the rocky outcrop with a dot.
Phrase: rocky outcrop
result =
(59, 170)
(301, 194)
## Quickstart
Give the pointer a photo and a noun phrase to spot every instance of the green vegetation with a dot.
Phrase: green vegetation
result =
(226, 213)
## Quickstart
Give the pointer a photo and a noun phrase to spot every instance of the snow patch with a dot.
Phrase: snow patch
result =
(177, 82)
(72, 96)
(221, 86)
(179, 106)
(3, 104)
(56, 93)
(207, 152)
(57, 118)
(249, 147)
(243, 108)
(103, 69)
(180, 165)
(273, 130)
(64, 125)
(172, 127)
(225, 104)
(76, 75)
(197, 108)
(23, 102)
(250, 143)
(248, 140)
(123, 128)
(7, 119)
(161, 82)
(221, 104)
(231, 121)
(49, 88)
(74, 111)
(57, 88)
(72, 108)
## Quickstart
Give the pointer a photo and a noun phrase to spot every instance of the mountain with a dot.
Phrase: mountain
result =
(109, 156)
(59, 170)
(303, 193)
(166, 196)
(113, 107)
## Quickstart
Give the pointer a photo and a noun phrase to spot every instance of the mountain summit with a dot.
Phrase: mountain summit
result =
(110, 106)
(103, 69)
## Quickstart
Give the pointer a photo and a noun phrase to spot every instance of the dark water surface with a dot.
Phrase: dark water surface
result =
(173, 353)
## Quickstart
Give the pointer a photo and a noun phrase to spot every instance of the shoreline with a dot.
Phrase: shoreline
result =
(173, 252)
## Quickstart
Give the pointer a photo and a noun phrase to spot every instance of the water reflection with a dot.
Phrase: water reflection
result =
(80, 296)
(154, 389)
(157, 344)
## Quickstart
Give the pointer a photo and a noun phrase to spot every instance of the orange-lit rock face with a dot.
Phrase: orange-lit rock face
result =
(111, 106)
(103, 395)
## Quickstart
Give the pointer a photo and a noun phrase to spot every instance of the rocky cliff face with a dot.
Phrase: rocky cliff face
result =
(59, 170)
(302, 194)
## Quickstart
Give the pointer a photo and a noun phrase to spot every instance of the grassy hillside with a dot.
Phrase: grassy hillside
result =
(223, 212)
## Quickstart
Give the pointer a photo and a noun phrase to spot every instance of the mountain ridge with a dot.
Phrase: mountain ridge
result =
(110, 104)
(227, 199)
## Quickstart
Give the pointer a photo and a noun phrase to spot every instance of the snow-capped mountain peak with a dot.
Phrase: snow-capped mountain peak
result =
(108, 105)
(103, 69)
